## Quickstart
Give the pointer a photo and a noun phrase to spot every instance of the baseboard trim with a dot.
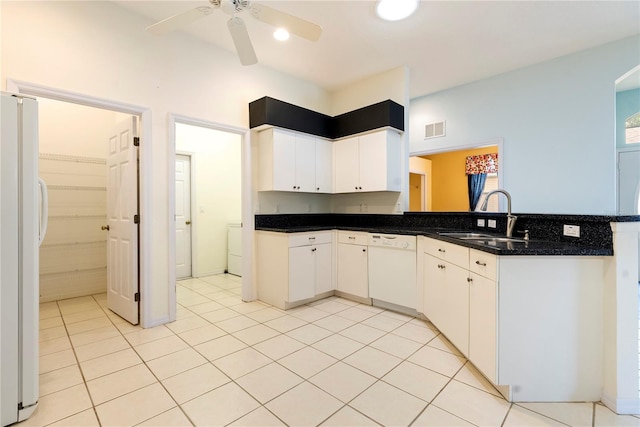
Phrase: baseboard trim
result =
(622, 406)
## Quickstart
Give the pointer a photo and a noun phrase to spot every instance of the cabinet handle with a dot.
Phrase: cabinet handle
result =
(441, 250)
(312, 238)
(351, 237)
(313, 250)
(359, 188)
(105, 227)
(469, 279)
(317, 188)
(364, 250)
(441, 266)
(484, 264)
(356, 188)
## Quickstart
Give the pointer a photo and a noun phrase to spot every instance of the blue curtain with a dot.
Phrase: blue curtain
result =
(476, 185)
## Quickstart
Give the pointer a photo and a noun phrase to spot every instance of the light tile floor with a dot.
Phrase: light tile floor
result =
(224, 362)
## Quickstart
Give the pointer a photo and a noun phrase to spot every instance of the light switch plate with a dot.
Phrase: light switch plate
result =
(492, 223)
(571, 230)
(480, 222)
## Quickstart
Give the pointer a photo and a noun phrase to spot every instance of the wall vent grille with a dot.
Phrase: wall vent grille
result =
(434, 130)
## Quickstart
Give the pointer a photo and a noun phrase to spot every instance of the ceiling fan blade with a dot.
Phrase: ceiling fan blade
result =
(180, 20)
(241, 40)
(293, 24)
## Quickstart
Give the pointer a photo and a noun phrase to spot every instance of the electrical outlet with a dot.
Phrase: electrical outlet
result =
(571, 230)
(492, 223)
(480, 222)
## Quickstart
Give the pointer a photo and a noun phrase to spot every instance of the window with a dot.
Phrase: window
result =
(490, 184)
(632, 129)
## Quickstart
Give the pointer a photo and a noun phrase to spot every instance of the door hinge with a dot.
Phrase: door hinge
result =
(136, 219)
(136, 297)
(136, 141)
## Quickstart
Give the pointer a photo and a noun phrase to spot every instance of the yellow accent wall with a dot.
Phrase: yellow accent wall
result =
(449, 182)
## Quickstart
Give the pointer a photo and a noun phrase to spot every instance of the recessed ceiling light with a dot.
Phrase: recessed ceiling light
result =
(281, 34)
(395, 10)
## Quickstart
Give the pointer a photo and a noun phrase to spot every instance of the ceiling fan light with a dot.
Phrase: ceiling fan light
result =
(281, 34)
(395, 10)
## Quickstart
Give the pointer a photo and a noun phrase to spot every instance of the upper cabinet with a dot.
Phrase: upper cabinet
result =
(369, 162)
(290, 161)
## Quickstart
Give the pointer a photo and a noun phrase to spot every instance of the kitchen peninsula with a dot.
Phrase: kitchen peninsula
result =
(528, 313)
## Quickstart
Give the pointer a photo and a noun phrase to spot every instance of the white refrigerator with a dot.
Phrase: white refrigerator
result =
(23, 213)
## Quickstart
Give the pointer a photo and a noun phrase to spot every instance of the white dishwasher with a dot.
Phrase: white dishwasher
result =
(392, 271)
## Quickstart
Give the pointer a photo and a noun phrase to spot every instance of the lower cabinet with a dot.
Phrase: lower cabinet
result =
(447, 300)
(483, 310)
(529, 324)
(352, 265)
(293, 268)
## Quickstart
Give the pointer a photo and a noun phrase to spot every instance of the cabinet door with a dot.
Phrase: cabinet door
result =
(455, 321)
(373, 161)
(324, 166)
(434, 289)
(323, 276)
(347, 169)
(305, 163)
(482, 325)
(284, 161)
(353, 276)
(301, 273)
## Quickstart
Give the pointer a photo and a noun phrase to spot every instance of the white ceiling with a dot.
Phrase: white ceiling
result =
(445, 44)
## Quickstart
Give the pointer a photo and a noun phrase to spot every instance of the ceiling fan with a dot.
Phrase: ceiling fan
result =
(237, 27)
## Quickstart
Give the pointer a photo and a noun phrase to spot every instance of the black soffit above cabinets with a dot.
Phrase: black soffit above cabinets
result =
(270, 111)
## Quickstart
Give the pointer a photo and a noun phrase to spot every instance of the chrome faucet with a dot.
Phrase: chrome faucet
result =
(511, 219)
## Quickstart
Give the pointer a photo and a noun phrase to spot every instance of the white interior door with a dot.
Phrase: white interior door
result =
(183, 216)
(628, 182)
(122, 210)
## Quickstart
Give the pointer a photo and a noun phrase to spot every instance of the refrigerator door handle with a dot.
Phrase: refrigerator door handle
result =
(44, 210)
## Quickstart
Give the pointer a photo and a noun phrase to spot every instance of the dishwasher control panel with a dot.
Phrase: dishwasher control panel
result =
(396, 241)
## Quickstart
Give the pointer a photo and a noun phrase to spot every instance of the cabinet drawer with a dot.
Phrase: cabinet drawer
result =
(483, 264)
(353, 237)
(458, 255)
(304, 239)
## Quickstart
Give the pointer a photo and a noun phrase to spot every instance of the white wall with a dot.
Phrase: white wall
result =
(102, 50)
(216, 169)
(557, 119)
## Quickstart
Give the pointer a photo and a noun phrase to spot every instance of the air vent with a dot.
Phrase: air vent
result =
(434, 130)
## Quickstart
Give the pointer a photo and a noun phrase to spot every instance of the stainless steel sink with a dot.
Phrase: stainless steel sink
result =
(466, 235)
(496, 239)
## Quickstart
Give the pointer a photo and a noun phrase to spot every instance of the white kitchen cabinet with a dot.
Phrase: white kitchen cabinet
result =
(483, 325)
(353, 277)
(533, 325)
(291, 161)
(324, 166)
(447, 300)
(293, 268)
(302, 281)
(369, 162)
(322, 268)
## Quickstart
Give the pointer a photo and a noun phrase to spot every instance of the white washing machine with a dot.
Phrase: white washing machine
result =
(234, 248)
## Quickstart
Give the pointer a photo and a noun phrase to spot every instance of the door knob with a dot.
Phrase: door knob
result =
(188, 222)
(105, 227)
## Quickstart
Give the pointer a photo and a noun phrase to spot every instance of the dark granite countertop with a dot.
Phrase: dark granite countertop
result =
(545, 230)
(531, 247)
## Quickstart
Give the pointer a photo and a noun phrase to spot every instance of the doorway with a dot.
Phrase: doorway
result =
(142, 166)
(205, 211)
(445, 182)
(77, 145)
